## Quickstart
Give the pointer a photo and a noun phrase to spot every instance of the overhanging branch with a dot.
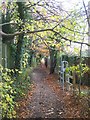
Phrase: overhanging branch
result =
(66, 39)
(37, 31)
(8, 23)
(25, 32)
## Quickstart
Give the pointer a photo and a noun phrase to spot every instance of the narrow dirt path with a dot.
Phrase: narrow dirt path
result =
(47, 99)
(44, 102)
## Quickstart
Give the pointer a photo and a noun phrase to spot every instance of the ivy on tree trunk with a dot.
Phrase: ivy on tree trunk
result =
(20, 37)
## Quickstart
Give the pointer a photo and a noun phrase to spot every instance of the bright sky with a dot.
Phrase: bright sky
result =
(69, 4)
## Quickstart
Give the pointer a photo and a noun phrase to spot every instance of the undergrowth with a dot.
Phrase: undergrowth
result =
(14, 84)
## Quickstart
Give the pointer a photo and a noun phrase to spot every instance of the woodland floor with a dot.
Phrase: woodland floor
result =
(47, 99)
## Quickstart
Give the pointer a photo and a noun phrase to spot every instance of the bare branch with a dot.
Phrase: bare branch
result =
(86, 13)
(32, 32)
(26, 32)
(74, 30)
(32, 5)
(46, 44)
(8, 23)
(66, 39)
(43, 40)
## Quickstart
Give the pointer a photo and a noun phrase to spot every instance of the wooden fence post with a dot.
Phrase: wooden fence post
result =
(74, 82)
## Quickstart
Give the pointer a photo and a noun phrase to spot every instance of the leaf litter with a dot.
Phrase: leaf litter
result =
(48, 100)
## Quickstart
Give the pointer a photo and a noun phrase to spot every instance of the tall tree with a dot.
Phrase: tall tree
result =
(20, 37)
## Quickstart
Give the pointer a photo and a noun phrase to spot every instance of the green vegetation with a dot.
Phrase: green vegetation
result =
(34, 30)
(12, 88)
(7, 92)
(84, 69)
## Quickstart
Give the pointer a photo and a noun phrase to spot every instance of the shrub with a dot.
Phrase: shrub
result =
(7, 92)
(14, 84)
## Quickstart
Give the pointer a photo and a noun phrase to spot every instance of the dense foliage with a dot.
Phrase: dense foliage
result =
(12, 88)
(32, 30)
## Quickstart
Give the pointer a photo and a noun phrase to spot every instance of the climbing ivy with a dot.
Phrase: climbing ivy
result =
(11, 88)
(7, 93)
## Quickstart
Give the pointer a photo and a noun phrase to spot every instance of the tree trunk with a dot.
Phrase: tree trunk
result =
(20, 37)
(46, 62)
(53, 59)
